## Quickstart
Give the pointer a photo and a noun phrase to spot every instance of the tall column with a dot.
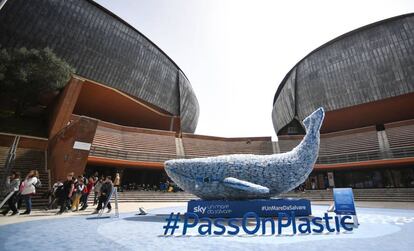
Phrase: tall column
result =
(275, 146)
(384, 144)
(68, 150)
(65, 105)
(179, 148)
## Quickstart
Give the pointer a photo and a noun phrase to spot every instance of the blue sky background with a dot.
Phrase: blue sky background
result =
(236, 52)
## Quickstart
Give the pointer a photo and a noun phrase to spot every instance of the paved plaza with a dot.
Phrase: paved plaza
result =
(380, 229)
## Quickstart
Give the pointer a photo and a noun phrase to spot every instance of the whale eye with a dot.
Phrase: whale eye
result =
(206, 179)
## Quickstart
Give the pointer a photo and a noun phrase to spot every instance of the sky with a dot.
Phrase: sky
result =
(236, 52)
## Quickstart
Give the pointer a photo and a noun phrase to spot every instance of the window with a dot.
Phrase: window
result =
(292, 130)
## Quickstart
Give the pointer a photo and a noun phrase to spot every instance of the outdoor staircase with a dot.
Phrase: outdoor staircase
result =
(26, 160)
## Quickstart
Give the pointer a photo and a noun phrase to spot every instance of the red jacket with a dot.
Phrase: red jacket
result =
(88, 188)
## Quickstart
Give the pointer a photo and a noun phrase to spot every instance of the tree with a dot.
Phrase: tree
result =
(26, 74)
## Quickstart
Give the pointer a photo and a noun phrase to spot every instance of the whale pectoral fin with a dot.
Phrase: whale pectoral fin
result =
(245, 186)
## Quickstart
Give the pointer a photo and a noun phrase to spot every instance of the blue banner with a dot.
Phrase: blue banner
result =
(236, 209)
(344, 201)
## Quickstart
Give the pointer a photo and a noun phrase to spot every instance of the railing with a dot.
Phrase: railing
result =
(193, 156)
(402, 152)
(131, 155)
(395, 153)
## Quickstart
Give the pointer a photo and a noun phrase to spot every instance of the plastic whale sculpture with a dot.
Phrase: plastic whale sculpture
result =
(248, 176)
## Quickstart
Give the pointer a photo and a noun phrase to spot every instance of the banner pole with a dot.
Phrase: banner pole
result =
(7, 198)
(116, 203)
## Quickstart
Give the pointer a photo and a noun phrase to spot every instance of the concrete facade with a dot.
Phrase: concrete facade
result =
(104, 48)
(371, 63)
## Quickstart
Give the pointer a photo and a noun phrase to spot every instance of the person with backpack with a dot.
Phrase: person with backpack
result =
(53, 195)
(12, 186)
(28, 189)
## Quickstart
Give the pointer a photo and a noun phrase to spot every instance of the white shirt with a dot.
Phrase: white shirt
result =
(28, 186)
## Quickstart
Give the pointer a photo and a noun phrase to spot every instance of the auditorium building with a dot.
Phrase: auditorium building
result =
(129, 107)
(365, 81)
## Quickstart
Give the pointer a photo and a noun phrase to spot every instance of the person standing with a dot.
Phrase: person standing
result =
(313, 184)
(29, 189)
(97, 190)
(106, 191)
(86, 192)
(96, 176)
(79, 187)
(54, 195)
(117, 181)
(12, 185)
(66, 193)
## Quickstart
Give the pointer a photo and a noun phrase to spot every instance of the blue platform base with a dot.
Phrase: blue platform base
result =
(237, 208)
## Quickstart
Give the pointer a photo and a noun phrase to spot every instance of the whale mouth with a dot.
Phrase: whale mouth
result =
(174, 173)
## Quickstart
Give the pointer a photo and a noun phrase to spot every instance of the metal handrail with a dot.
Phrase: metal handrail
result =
(130, 151)
(131, 155)
(367, 151)
(393, 153)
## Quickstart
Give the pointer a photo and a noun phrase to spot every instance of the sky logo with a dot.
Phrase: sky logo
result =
(200, 209)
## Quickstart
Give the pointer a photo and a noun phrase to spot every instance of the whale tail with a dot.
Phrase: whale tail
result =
(314, 121)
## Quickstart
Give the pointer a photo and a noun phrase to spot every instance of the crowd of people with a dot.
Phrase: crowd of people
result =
(72, 194)
(21, 191)
(69, 195)
(167, 186)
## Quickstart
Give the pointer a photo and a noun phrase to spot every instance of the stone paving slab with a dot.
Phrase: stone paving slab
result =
(380, 229)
